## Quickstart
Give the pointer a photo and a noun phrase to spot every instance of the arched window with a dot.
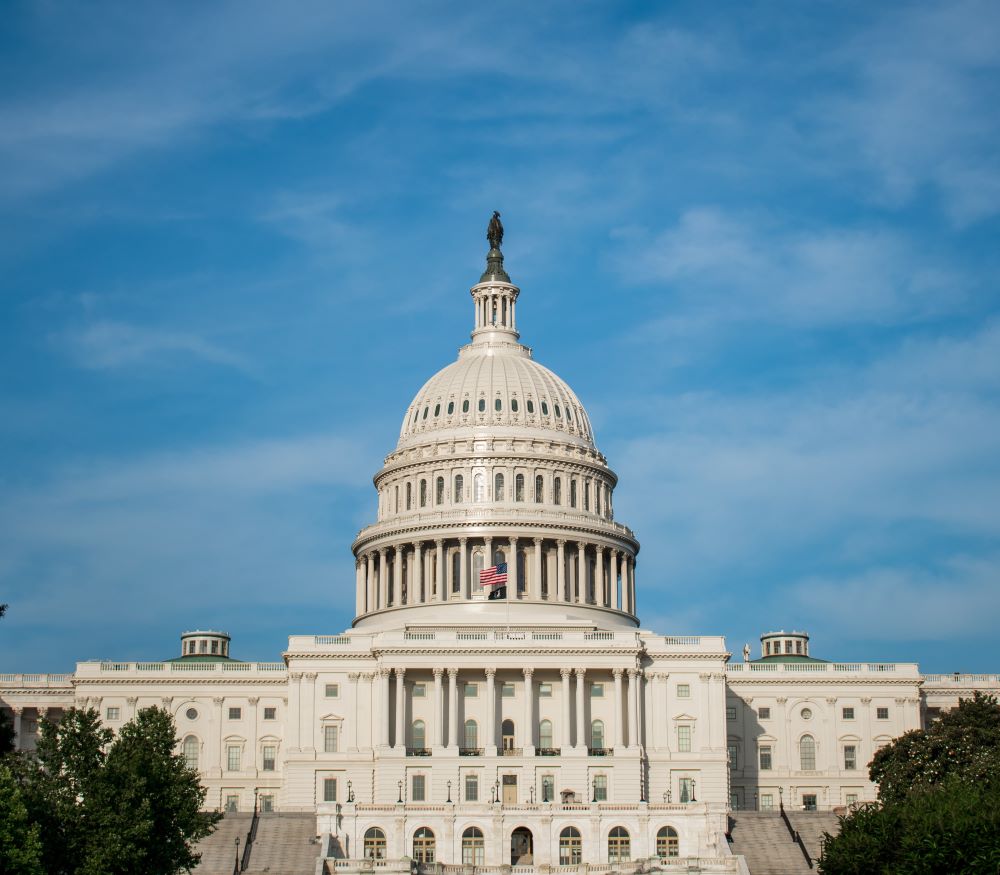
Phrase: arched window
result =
(545, 735)
(597, 734)
(531, 406)
(498, 487)
(513, 405)
(437, 410)
(477, 565)
(374, 844)
(423, 493)
(423, 846)
(451, 407)
(478, 488)
(558, 412)
(418, 735)
(539, 489)
(519, 488)
(396, 499)
(456, 572)
(619, 845)
(507, 734)
(459, 488)
(807, 753)
(572, 492)
(482, 405)
(557, 491)
(190, 751)
(471, 735)
(570, 847)
(473, 847)
(498, 405)
(586, 495)
(545, 409)
(666, 843)
(439, 491)
(409, 495)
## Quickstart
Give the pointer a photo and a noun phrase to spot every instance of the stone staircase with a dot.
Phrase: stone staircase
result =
(286, 844)
(811, 825)
(218, 851)
(763, 839)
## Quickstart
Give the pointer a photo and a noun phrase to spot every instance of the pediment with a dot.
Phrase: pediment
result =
(685, 717)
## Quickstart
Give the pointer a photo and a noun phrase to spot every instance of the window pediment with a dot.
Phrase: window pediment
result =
(331, 718)
(687, 718)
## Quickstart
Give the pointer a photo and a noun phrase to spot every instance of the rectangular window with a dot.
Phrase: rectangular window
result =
(470, 691)
(113, 713)
(507, 690)
(847, 713)
(548, 788)
(418, 789)
(215, 647)
(851, 798)
(687, 790)
(267, 804)
(267, 763)
(683, 691)
(331, 737)
(235, 713)
(270, 713)
(600, 788)
(232, 804)
(763, 713)
(332, 691)
(765, 757)
(730, 712)
(471, 788)
(731, 750)
(545, 691)
(881, 713)
(419, 691)
(850, 757)
(597, 691)
(233, 758)
(767, 802)
(329, 789)
(684, 739)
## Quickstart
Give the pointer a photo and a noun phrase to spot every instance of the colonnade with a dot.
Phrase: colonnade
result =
(569, 733)
(424, 572)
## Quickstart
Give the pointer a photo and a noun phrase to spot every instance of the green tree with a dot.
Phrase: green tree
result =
(6, 727)
(20, 844)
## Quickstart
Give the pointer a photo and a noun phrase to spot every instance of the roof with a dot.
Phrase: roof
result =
(789, 657)
(204, 657)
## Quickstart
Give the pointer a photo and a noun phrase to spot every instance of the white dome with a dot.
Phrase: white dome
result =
(495, 385)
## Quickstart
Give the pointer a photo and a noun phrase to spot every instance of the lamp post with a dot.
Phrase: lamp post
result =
(756, 806)
(449, 791)
(531, 794)
(350, 792)
(237, 852)
(400, 799)
(781, 798)
(666, 796)
(694, 787)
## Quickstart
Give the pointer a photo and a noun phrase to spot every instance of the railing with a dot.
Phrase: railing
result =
(418, 751)
(251, 837)
(470, 751)
(824, 667)
(419, 636)
(548, 751)
(682, 639)
(795, 836)
(88, 669)
(333, 639)
(546, 636)
(600, 752)
(35, 680)
(511, 751)
(955, 678)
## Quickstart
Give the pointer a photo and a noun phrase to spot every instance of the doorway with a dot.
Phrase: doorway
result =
(809, 801)
(522, 847)
(509, 784)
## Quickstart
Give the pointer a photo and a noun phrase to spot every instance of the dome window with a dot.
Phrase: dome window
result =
(519, 488)
(427, 410)
(437, 410)
(557, 491)
(531, 406)
(498, 405)
(569, 415)
(558, 412)
(423, 493)
(498, 487)
(478, 488)
(439, 491)
(482, 405)
(459, 486)
(451, 407)
(539, 489)
(465, 406)
(545, 409)
(513, 405)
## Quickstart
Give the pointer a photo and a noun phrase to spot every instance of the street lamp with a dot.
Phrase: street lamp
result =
(531, 794)
(756, 807)
(400, 799)
(350, 792)
(449, 791)
(694, 786)
(781, 798)
(666, 796)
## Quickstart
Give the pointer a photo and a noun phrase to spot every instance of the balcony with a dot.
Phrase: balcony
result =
(470, 751)
(600, 752)
(548, 751)
(418, 751)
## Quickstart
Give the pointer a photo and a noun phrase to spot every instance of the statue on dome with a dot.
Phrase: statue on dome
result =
(494, 233)
(746, 652)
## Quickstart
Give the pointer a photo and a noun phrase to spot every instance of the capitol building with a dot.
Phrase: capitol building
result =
(536, 725)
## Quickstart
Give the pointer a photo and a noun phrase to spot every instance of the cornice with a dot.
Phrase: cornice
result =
(513, 458)
(281, 680)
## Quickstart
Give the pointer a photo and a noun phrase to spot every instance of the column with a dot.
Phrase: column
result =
(599, 598)
(437, 728)
(383, 578)
(309, 694)
(18, 741)
(581, 572)
(132, 701)
(440, 575)
(616, 587)
(631, 586)
(453, 706)
(359, 592)
(566, 738)
(633, 707)
(513, 570)
(561, 571)
(535, 580)
(617, 739)
(491, 715)
(383, 698)
(612, 578)
(252, 746)
(529, 712)
(581, 686)
(372, 585)
(400, 709)
(397, 576)
(418, 596)
(487, 557)
(463, 567)
(352, 724)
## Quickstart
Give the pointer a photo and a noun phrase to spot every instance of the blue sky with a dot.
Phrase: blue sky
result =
(758, 239)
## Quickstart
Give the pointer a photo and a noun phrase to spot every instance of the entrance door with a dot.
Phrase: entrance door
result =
(521, 847)
(510, 789)
(809, 801)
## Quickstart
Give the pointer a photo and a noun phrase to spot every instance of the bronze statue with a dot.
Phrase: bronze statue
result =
(494, 233)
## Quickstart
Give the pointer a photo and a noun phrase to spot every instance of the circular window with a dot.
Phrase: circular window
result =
(191, 713)
(806, 713)
(513, 404)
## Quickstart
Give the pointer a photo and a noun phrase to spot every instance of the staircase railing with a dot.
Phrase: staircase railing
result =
(795, 836)
(248, 845)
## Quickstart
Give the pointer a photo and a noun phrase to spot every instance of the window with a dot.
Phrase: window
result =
(418, 734)
(482, 405)
(507, 690)
(731, 751)
(418, 691)
(850, 757)
(730, 712)
(497, 405)
(788, 647)
(374, 845)
(683, 691)
(235, 713)
(548, 788)
(203, 647)
(847, 713)
(472, 788)
(418, 788)
(270, 713)
(507, 734)
(767, 802)
(545, 691)
(267, 758)
(798, 647)
(331, 737)
(763, 713)
(619, 845)
(531, 406)
(809, 801)
(465, 406)
(473, 847)
(597, 691)
(600, 788)
(423, 846)
(215, 647)
(558, 412)
(807, 753)
(851, 799)
(545, 408)
(586, 494)
(597, 734)
(666, 843)
(498, 487)
(557, 491)
(478, 488)
(881, 713)
(439, 491)
(684, 739)
(513, 404)
(570, 847)
(423, 493)
(190, 750)
(471, 735)
(519, 488)
(451, 407)
(233, 757)
(437, 410)
(765, 757)
(545, 735)
(409, 486)
(113, 713)
(267, 804)
(232, 803)
(572, 492)
(687, 790)
(332, 691)
(539, 489)
(470, 691)
(459, 487)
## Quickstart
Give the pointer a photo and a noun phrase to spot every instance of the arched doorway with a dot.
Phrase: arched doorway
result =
(522, 847)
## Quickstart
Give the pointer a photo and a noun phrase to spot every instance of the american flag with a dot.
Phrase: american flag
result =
(494, 576)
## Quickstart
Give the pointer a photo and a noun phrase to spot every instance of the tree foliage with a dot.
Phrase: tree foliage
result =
(20, 843)
(6, 727)
(939, 802)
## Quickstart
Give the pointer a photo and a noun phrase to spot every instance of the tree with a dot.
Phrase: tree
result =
(20, 844)
(6, 727)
